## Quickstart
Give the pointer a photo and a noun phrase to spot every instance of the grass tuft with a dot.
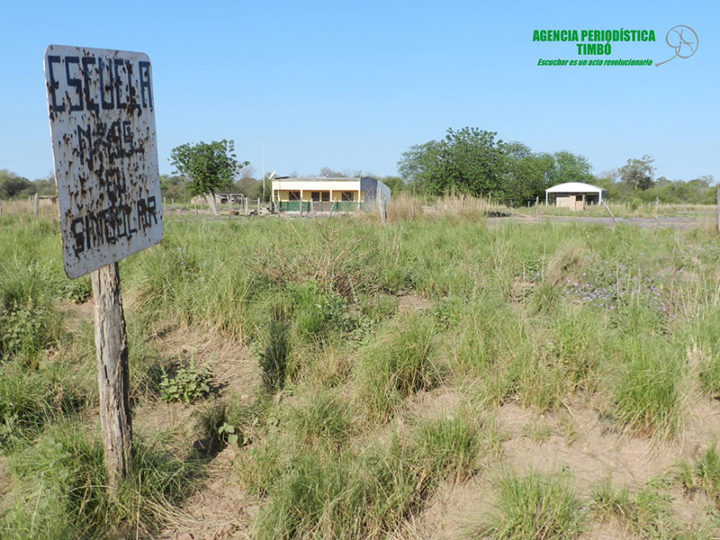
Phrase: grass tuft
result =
(62, 493)
(535, 506)
(398, 365)
(648, 398)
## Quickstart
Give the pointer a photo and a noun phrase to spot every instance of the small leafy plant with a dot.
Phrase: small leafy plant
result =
(187, 385)
(228, 433)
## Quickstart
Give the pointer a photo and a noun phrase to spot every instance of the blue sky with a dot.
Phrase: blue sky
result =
(352, 86)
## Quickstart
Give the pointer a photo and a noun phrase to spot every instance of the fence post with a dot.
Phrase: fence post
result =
(258, 206)
(113, 374)
(36, 205)
(609, 212)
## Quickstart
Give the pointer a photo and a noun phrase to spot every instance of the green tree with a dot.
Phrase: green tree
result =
(473, 162)
(570, 167)
(12, 185)
(394, 183)
(637, 173)
(174, 187)
(527, 173)
(208, 167)
(468, 160)
(249, 187)
(420, 165)
(45, 186)
(331, 173)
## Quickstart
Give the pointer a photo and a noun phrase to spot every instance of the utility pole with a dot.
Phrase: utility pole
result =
(263, 170)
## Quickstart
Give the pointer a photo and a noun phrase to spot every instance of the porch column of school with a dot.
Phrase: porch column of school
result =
(301, 200)
(358, 198)
(331, 201)
(546, 198)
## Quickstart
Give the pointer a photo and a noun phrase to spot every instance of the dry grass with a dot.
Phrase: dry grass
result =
(404, 208)
(46, 208)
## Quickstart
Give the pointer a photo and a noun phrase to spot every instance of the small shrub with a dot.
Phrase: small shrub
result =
(314, 313)
(77, 290)
(211, 422)
(188, 384)
(535, 506)
(225, 423)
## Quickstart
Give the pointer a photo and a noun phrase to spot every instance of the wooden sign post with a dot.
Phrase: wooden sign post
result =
(102, 123)
(113, 374)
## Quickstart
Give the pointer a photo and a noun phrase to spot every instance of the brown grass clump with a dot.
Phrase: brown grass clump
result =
(404, 208)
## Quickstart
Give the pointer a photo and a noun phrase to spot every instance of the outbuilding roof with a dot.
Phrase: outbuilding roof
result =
(575, 187)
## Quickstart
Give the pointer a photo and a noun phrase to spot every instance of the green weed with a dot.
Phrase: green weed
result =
(186, 384)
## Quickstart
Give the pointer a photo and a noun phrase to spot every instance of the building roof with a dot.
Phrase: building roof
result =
(317, 179)
(575, 187)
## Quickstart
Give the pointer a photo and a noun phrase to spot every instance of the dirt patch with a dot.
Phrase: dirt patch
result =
(433, 404)
(219, 510)
(75, 315)
(235, 374)
(411, 302)
(582, 444)
(456, 510)
(234, 368)
(577, 441)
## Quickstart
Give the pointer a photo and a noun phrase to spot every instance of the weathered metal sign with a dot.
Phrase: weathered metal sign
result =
(102, 122)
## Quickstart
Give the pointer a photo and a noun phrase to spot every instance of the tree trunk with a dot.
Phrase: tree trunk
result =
(113, 376)
(212, 202)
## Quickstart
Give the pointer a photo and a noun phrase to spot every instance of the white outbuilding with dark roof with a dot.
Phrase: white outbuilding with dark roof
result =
(575, 195)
